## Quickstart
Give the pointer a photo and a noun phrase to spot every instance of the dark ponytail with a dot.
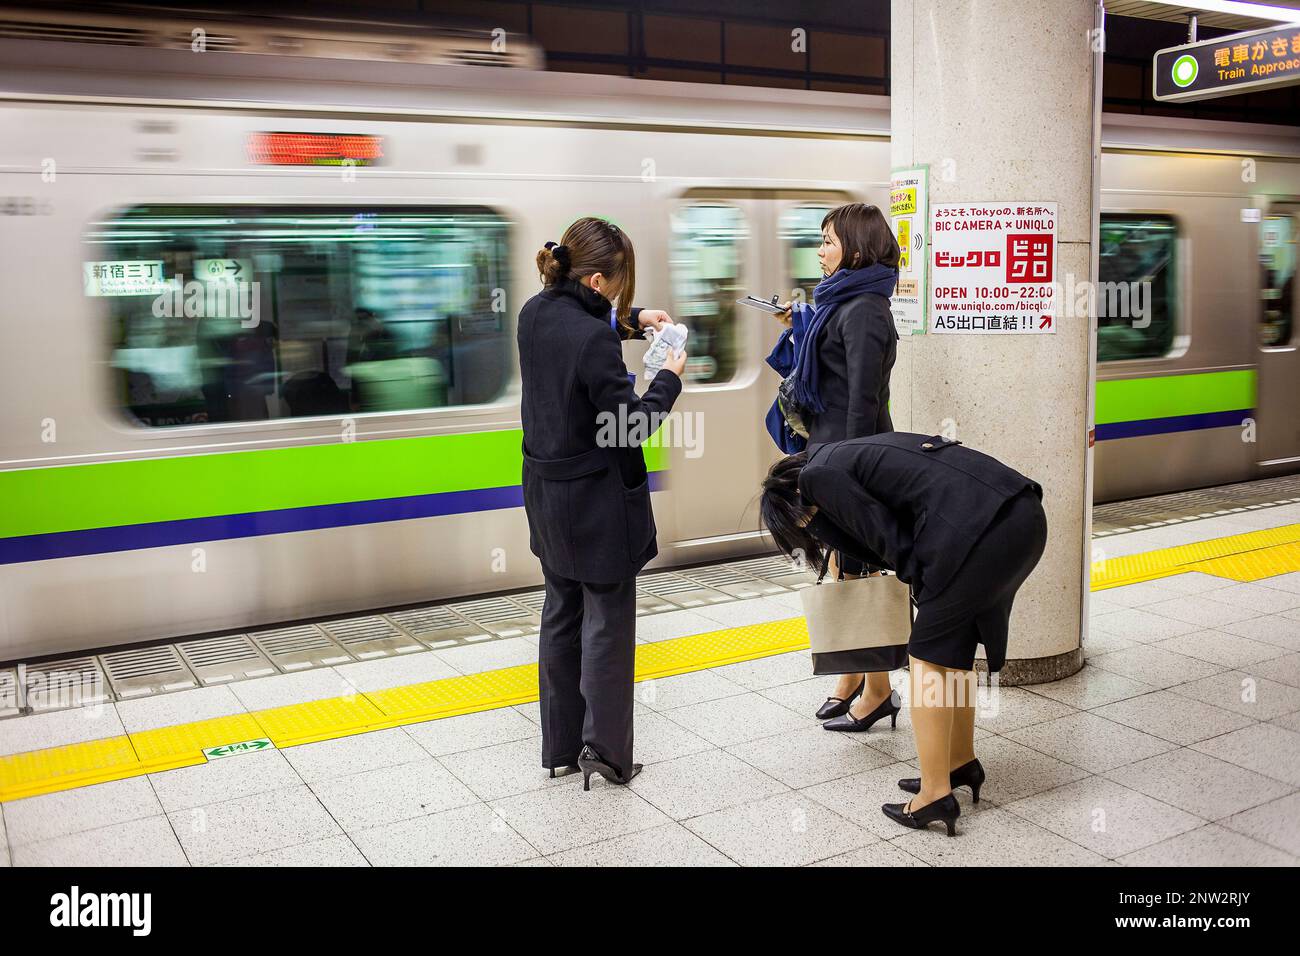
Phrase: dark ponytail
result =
(553, 263)
(588, 246)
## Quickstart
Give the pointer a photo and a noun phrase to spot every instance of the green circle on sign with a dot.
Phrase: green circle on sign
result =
(1185, 70)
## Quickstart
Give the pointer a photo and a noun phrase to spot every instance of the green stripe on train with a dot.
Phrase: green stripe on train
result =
(1167, 396)
(112, 494)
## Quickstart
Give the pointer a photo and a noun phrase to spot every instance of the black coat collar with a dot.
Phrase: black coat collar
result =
(591, 301)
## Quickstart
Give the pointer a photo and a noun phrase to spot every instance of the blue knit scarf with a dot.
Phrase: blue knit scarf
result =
(830, 292)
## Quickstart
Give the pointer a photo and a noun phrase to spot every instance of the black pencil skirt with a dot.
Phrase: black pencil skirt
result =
(975, 607)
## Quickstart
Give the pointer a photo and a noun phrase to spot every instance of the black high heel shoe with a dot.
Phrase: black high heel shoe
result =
(847, 722)
(967, 775)
(835, 706)
(589, 762)
(945, 810)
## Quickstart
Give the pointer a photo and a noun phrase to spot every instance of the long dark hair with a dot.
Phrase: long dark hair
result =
(588, 246)
(785, 514)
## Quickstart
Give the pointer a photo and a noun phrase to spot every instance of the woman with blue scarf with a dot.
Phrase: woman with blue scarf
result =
(835, 358)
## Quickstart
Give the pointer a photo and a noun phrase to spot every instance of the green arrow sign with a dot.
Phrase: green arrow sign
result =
(244, 747)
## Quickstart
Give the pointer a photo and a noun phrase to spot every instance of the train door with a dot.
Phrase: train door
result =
(726, 244)
(1279, 344)
(713, 260)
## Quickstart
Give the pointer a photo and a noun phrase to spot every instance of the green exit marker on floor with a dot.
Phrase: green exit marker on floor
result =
(230, 750)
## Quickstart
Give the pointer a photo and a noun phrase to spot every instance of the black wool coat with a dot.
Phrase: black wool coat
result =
(856, 349)
(915, 504)
(587, 499)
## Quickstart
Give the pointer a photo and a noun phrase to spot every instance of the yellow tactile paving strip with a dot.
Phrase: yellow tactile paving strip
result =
(1241, 557)
(129, 755)
(1253, 565)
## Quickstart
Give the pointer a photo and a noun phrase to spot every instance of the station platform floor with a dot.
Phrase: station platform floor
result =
(1178, 743)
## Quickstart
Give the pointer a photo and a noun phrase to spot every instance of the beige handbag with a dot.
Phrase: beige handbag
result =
(859, 624)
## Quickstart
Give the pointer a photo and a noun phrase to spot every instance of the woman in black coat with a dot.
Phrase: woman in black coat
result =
(964, 531)
(586, 493)
(851, 345)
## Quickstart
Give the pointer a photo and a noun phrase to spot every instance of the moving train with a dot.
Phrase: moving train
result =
(259, 361)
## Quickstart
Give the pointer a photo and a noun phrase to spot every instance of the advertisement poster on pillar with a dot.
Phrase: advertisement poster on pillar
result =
(908, 215)
(994, 268)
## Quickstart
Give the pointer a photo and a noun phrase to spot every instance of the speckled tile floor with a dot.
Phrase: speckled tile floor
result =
(1177, 744)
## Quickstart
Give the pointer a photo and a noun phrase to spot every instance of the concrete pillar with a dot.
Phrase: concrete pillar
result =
(1001, 99)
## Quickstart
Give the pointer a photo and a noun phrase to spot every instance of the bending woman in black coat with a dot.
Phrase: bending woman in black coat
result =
(964, 531)
(586, 492)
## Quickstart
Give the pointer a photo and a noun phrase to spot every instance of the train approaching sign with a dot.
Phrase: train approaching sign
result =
(1228, 65)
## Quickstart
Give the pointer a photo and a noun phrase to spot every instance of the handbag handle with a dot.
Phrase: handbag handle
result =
(826, 564)
(913, 607)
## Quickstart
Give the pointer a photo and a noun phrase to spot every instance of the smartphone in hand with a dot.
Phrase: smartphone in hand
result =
(770, 306)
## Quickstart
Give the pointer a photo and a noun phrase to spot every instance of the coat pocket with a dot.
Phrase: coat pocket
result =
(640, 519)
(587, 513)
(567, 520)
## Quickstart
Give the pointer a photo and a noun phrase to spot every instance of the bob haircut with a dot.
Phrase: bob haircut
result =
(864, 234)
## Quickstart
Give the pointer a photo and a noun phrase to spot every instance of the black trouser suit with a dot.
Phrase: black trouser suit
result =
(589, 517)
(586, 658)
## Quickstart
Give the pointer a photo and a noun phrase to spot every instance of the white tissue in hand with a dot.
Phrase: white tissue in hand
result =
(670, 336)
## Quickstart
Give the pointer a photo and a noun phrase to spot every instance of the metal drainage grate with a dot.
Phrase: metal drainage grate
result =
(300, 647)
(647, 603)
(147, 670)
(213, 42)
(731, 581)
(93, 33)
(219, 660)
(437, 626)
(681, 591)
(373, 636)
(500, 616)
(778, 570)
(532, 601)
(1199, 503)
(73, 682)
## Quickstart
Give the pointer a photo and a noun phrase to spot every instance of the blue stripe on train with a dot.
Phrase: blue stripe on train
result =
(1176, 423)
(161, 534)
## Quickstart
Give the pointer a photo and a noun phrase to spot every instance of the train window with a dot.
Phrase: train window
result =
(705, 259)
(250, 313)
(1137, 297)
(1277, 282)
(801, 234)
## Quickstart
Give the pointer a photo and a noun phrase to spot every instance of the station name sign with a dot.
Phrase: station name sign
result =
(1230, 64)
